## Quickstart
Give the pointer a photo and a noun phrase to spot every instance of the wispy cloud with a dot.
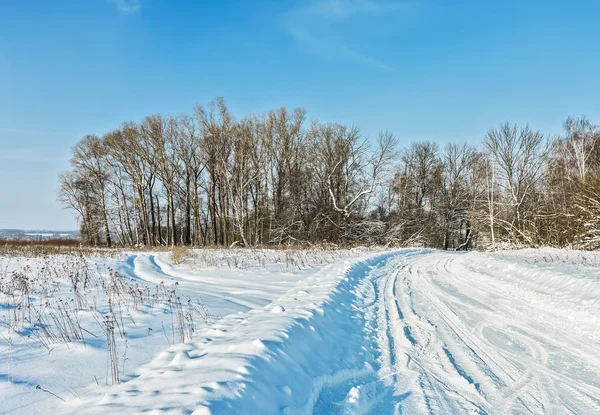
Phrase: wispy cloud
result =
(322, 27)
(128, 6)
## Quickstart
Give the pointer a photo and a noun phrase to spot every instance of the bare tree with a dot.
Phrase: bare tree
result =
(89, 158)
(519, 156)
(209, 178)
(456, 188)
(160, 135)
(579, 144)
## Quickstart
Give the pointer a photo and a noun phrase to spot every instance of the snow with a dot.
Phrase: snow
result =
(409, 331)
(509, 332)
(226, 282)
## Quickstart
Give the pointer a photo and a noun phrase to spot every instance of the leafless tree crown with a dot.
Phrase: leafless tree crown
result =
(207, 178)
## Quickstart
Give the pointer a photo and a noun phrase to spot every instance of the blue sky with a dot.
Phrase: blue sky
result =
(424, 69)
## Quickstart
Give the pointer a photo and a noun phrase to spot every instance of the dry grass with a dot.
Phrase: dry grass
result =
(72, 242)
(70, 300)
(180, 253)
(49, 247)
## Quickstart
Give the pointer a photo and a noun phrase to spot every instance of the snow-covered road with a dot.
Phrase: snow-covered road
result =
(490, 333)
(410, 332)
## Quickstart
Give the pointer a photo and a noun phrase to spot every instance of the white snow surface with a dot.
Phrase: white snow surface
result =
(410, 331)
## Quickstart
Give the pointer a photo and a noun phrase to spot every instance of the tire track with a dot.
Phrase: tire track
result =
(489, 334)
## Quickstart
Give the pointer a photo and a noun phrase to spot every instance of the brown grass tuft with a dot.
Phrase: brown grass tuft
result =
(180, 253)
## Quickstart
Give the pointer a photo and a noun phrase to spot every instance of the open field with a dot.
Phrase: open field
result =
(309, 331)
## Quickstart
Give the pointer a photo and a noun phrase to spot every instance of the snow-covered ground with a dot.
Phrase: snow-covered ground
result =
(352, 332)
(154, 303)
(515, 332)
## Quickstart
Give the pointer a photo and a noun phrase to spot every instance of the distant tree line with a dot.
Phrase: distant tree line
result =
(208, 179)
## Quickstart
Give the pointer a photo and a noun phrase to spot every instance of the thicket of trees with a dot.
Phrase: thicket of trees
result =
(208, 179)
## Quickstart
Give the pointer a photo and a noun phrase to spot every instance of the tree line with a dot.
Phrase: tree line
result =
(209, 179)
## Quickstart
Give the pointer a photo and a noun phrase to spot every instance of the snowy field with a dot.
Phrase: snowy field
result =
(300, 332)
